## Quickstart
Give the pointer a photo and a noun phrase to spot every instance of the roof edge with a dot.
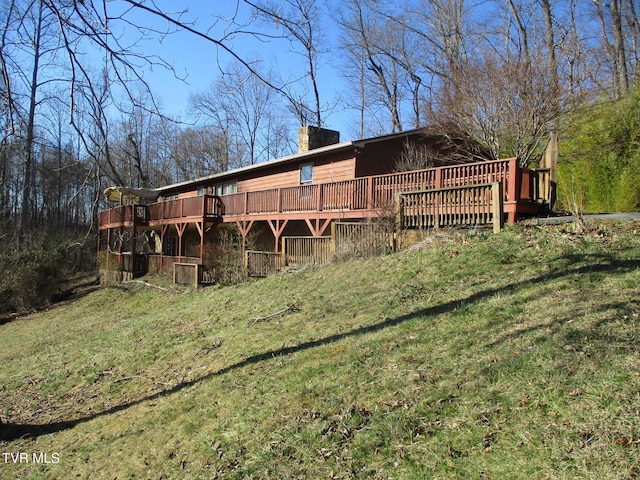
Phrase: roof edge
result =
(259, 166)
(355, 144)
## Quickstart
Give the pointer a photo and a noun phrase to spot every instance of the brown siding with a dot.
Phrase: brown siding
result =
(323, 172)
(335, 171)
(379, 158)
(191, 193)
(267, 181)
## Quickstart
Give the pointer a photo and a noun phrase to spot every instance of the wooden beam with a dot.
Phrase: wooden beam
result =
(180, 227)
(318, 229)
(277, 230)
(513, 188)
(244, 226)
(200, 227)
(497, 199)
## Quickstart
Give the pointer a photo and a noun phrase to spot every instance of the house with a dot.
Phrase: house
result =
(297, 195)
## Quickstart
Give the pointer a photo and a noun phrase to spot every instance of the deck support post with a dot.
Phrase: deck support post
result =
(180, 227)
(134, 233)
(200, 227)
(108, 246)
(514, 181)
(163, 233)
(277, 230)
(497, 207)
(244, 226)
(120, 242)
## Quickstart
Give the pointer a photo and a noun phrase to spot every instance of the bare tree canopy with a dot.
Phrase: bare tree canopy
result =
(79, 110)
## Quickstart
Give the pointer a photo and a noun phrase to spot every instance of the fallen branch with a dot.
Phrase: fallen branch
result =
(186, 373)
(205, 350)
(147, 284)
(289, 308)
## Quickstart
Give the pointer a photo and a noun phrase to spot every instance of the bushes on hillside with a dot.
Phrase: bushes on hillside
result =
(600, 157)
(29, 278)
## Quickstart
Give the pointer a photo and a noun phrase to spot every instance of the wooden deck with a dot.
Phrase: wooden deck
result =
(369, 196)
(203, 207)
(524, 193)
(467, 194)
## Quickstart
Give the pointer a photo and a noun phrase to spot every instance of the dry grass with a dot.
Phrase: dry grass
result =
(508, 356)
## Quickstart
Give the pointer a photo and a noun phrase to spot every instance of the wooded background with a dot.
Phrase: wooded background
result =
(77, 114)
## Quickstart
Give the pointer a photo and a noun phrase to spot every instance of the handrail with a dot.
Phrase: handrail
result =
(461, 205)
(364, 193)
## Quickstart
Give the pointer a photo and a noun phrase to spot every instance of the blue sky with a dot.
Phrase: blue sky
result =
(198, 61)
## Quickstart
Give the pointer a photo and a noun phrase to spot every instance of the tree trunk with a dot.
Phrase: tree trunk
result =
(618, 43)
(554, 83)
(28, 161)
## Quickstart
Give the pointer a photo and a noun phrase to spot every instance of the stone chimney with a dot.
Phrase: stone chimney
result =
(310, 138)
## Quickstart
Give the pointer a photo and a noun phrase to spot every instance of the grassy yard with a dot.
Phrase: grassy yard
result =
(513, 355)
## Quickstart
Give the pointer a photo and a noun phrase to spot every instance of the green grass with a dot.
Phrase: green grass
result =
(505, 356)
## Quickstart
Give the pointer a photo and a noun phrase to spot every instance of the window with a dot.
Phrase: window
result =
(306, 174)
(227, 188)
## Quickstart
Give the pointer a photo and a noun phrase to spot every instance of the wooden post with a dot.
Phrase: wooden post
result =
(333, 237)
(121, 241)
(513, 189)
(108, 246)
(497, 206)
(134, 232)
(437, 210)
(284, 251)
(439, 171)
(201, 230)
(180, 227)
(279, 203)
(399, 210)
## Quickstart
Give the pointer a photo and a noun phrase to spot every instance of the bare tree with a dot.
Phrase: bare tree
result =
(300, 20)
(550, 43)
(28, 47)
(247, 111)
(140, 148)
(619, 28)
(200, 151)
(365, 33)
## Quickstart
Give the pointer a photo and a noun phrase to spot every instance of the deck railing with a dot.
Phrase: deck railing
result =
(469, 205)
(366, 193)
(164, 263)
(125, 214)
(378, 192)
(385, 187)
(200, 206)
(262, 264)
(307, 250)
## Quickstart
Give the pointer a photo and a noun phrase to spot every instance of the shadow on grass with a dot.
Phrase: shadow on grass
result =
(589, 264)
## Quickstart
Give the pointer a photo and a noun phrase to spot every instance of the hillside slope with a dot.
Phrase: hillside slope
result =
(504, 356)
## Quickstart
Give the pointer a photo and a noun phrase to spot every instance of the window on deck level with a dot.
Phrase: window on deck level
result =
(227, 188)
(306, 174)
